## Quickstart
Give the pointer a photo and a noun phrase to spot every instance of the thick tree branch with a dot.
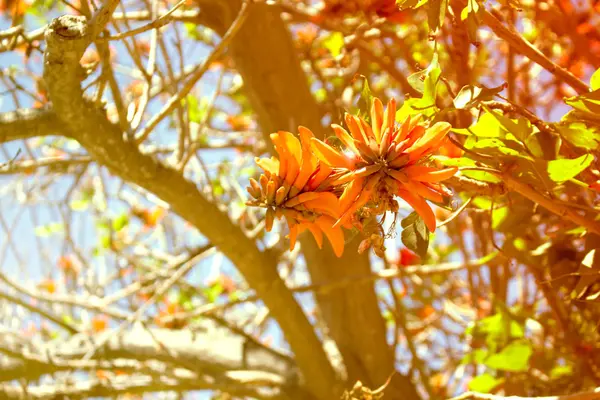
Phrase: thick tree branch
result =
(215, 351)
(138, 384)
(278, 91)
(67, 38)
(29, 123)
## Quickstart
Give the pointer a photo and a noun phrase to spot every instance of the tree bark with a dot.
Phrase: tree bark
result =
(67, 39)
(278, 91)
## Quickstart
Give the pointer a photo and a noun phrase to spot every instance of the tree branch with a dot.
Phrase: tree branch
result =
(590, 395)
(522, 46)
(67, 38)
(279, 93)
(215, 351)
(28, 123)
(137, 384)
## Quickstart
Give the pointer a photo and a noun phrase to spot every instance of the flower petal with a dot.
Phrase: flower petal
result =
(429, 174)
(432, 137)
(377, 118)
(422, 190)
(301, 198)
(334, 234)
(309, 161)
(269, 165)
(350, 207)
(400, 176)
(350, 193)
(366, 129)
(421, 207)
(291, 143)
(413, 136)
(321, 173)
(344, 137)
(305, 136)
(326, 202)
(329, 155)
(293, 235)
(389, 116)
(317, 234)
(408, 125)
(354, 128)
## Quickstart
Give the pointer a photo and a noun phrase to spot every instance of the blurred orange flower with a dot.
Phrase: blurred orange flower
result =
(49, 285)
(381, 8)
(99, 323)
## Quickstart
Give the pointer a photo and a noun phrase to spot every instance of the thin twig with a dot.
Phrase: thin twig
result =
(157, 23)
(559, 209)
(189, 85)
(522, 46)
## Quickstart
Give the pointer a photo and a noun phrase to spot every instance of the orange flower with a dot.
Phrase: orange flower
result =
(384, 160)
(407, 258)
(450, 150)
(99, 323)
(151, 218)
(382, 8)
(239, 122)
(166, 317)
(298, 187)
(49, 285)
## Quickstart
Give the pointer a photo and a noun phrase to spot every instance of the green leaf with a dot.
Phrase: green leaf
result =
(120, 222)
(105, 241)
(595, 80)
(418, 79)
(415, 235)
(320, 95)
(365, 100)
(80, 204)
(213, 291)
(48, 230)
(495, 326)
(432, 80)
(520, 129)
(197, 109)
(498, 216)
(478, 356)
(413, 107)
(514, 357)
(436, 12)
(544, 145)
(470, 95)
(561, 370)
(486, 126)
(471, 8)
(334, 43)
(580, 135)
(484, 383)
(492, 143)
(467, 162)
(404, 4)
(565, 169)
(589, 102)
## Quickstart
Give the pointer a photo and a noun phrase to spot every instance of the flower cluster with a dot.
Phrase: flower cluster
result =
(319, 188)
(380, 8)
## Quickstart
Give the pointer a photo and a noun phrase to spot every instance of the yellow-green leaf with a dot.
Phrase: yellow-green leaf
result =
(514, 357)
(484, 383)
(565, 169)
(334, 43)
(595, 80)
